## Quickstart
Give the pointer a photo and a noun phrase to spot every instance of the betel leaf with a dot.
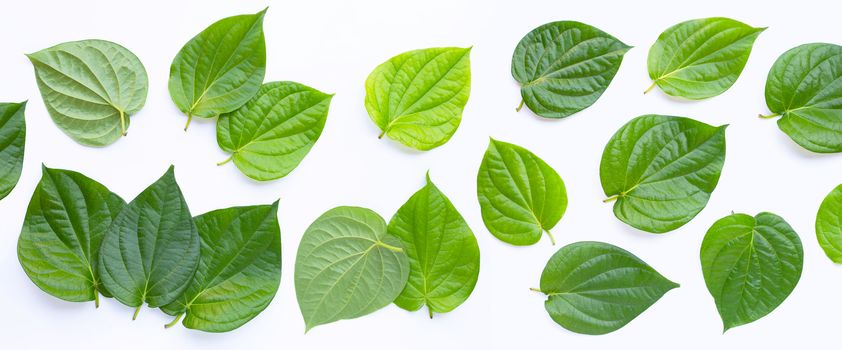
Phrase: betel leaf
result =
(221, 68)
(90, 88)
(12, 144)
(564, 67)
(347, 266)
(597, 288)
(443, 252)
(700, 58)
(804, 88)
(521, 197)
(750, 265)
(239, 269)
(829, 225)
(417, 97)
(151, 250)
(661, 170)
(270, 135)
(59, 243)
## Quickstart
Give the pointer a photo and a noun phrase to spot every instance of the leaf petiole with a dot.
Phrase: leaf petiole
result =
(136, 311)
(650, 87)
(189, 119)
(227, 160)
(519, 106)
(389, 247)
(611, 199)
(123, 123)
(552, 239)
(769, 116)
(174, 322)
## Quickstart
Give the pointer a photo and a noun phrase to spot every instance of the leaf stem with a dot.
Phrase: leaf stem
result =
(430, 311)
(536, 290)
(519, 106)
(96, 299)
(189, 119)
(389, 247)
(650, 87)
(227, 160)
(611, 199)
(123, 123)
(770, 116)
(136, 311)
(174, 322)
(552, 239)
(381, 134)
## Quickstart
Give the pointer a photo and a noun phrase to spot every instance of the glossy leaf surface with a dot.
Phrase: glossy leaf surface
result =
(12, 145)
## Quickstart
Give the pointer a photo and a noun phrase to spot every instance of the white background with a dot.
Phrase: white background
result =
(332, 46)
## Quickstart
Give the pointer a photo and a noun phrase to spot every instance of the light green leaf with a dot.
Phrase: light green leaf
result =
(564, 67)
(521, 196)
(270, 135)
(443, 252)
(700, 58)
(829, 225)
(804, 87)
(597, 288)
(239, 269)
(661, 170)
(347, 266)
(151, 250)
(417, 97)
(59, 243)
(221, 68)
(750, 264)
(12, 144)
(90, 88)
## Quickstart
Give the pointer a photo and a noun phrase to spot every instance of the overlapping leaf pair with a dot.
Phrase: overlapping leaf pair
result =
(220, 269)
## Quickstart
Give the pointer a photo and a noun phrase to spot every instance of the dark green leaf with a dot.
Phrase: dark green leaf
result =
(520, 195)
(804, 87)
(751, 264)
(59, 243)
(239, 269)
(270, 135)
(597, 288)
(443, 252)
(12, 142)
(564, 67)
(151, 250)
(662, 170)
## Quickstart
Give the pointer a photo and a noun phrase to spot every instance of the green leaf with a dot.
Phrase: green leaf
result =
(829, 225)
(804, 87)
(521, 196)
(417, 97)
(661, 170)
(12, 142)
(59, 243)
(750, 264)
(700, 58)
(347, 266)
(597, 288)
(239, 269)
(221, 68)
(563, 67)
(270, 135)
(151, 250)
(90, 88)
(443, 252)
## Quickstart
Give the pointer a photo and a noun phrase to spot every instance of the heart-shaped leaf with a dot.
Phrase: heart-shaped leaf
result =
(751, 264)
(597, 288)
(221, 68)
(151, 250)
(90, 88)
(347, 266)
(521, 197)
(12, 142)
(239, 269)
(443, 252)
(417, 97)
(829, 225)
(59, 243)
(564, 67)
(661, 170)
(700, 58)
(270, 135)
(804, 88)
